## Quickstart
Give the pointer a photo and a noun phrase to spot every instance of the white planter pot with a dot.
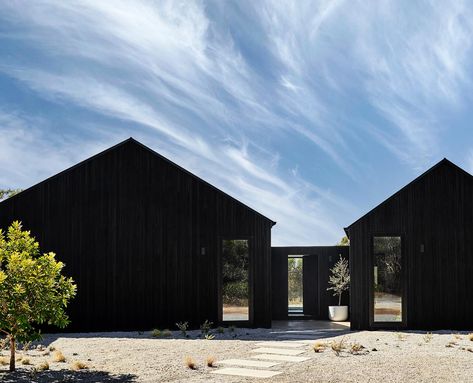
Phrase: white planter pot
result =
(338, 313)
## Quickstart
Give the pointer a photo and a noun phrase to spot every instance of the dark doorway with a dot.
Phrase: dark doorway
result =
(310, 273)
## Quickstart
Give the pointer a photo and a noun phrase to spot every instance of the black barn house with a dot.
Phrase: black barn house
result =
(411, 258)
(148, 243)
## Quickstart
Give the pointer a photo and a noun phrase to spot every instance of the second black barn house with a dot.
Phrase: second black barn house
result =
(411, 258)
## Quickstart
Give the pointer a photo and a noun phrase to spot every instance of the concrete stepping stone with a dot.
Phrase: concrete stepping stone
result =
(300, 338)
(280, 351)
(247, 372)
(280, 344)
(281, 358)
(248, 363)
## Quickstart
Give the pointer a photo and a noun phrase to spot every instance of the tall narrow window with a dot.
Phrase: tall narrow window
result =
(387, 279)
(235, 284)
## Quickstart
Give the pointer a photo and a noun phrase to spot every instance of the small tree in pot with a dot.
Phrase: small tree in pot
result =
(339, 282)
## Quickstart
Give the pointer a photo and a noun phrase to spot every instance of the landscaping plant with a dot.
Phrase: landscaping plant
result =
(183, 326)
(32, 290)
(339, 280)
(206, 327)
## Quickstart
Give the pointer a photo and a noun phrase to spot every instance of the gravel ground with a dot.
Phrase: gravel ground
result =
(137, 357)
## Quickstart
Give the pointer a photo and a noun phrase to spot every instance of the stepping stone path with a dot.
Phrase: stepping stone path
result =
(282, 358)
(270, 353)
(247, 372)
(248, 363)
(279, 351)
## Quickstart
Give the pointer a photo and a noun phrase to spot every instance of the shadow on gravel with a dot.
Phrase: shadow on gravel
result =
(22, 376)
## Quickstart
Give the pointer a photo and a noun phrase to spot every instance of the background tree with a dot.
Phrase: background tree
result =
(7, 193)
(235, 266)
(339, 280)
(344, 241)
(32, 289)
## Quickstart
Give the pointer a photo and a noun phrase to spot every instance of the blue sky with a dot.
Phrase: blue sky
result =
(310, 112)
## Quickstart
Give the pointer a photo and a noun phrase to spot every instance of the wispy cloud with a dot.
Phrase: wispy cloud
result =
(278, 103)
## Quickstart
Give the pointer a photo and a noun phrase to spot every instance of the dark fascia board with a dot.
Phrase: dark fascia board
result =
(444, 162)
(131, 140)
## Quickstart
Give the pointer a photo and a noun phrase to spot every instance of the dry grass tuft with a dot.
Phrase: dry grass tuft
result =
(457, 335)
(210, 361)
(190, 363)
(319, 346)
(19, 358)
(357, 348)
(338, 346)
(78, 365)
(470, 336)
(4, 361)
(401, 336)
(59, 357)
(428, 337)
(42, 366)
(25, 361)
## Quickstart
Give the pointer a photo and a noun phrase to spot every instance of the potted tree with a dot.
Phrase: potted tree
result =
(339, 282)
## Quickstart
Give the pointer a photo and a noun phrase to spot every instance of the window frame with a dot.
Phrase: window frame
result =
(388, 325)
(249, 321)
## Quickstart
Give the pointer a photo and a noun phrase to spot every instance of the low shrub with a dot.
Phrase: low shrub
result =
(470, 336)
(156, 333)
(220, 330)
(166, 333)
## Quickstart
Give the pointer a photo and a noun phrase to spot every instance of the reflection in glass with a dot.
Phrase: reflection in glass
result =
(387, 279)
(235, 287)
(294, 285)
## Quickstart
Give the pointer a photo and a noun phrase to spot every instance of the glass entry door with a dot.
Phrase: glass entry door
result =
(295, 284)
(235, 280)
(387, 280)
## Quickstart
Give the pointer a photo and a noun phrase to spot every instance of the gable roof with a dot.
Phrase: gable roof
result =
(444, 162)
(132, 141)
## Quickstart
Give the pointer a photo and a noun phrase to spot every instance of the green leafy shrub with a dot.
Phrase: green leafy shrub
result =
(32, 290)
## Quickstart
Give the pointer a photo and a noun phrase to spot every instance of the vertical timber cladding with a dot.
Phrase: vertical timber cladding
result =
(142, 238)
(318, 260)
(434, 216)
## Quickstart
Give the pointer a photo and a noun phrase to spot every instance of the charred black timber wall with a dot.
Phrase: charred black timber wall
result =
(318, 260)
(435, 211)
(142, 238)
